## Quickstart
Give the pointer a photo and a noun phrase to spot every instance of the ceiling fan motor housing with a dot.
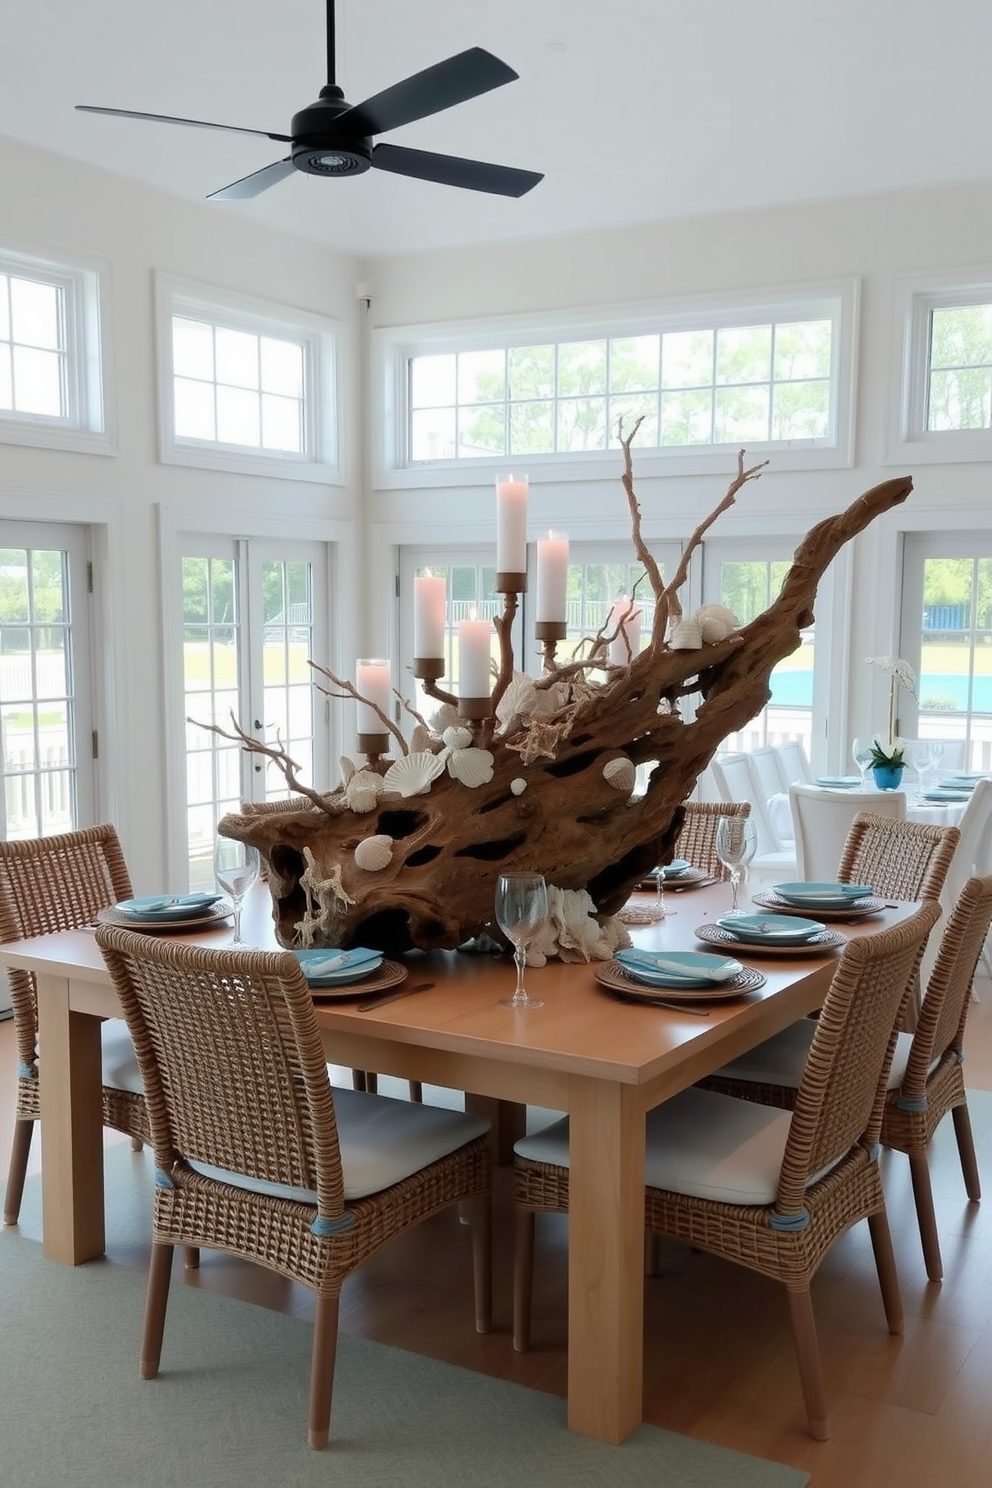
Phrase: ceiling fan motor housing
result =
(318, 149)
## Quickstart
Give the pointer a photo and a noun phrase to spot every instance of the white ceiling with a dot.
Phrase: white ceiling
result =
(636, 110)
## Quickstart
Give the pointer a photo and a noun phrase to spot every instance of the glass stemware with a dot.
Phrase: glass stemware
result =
(521, 909)
(236, 868)
(736, 843)
(861, 752)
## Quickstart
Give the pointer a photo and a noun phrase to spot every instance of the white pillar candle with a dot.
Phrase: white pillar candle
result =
(429, 595)
(552, 578)
(511, 524)
(373, 681)
(474, 638)
(629, 627)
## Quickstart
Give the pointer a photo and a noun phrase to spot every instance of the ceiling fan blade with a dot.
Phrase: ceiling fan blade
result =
(89, 108)
(256, 183)
(450, 170)
(464, 76)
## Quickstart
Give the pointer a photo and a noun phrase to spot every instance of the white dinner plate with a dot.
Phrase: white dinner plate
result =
(149, 907)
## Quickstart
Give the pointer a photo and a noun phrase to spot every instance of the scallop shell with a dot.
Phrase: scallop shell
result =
(457, 738)
(374, 853)
(518, 786)
(412, 775)
(473, 767)
(347, 768)
(686, 635)
(363, 791)
(620, 773)
(518, 701)
(715, 622)
(445, 717)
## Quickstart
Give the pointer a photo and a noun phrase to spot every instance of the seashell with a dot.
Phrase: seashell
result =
(374, 853)
(473, 767)
(518, 701)
(347, 768)
(412, 775)
(686, 635)
(457, 738)
(715, 622)
(422, 740)
(518, 786)
(445, 717)
(363, 791)
(620, 773)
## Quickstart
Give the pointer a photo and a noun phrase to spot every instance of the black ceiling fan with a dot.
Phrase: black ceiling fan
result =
(333, 138)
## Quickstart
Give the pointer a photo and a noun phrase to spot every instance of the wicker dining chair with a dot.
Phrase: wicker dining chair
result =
(696, 842)
(49, 884)
(899, 859)
(361, 1079)
(769, 1189)
(258, 1157)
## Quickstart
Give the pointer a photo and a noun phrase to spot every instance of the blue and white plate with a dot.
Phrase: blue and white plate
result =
(942, 794)
(822, 895)
(769, 930)
(678, 968)
(964, 779)
(839, 782)
(675, 868)
(332, 968)
(151, 907)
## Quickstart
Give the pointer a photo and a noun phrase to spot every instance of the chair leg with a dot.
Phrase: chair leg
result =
(885, 1265)
(523, 1278)
(966, 1152)
(323, 1353)
(416, 1092)
(191, 1257)
(482, 1261)
(652, 1252)
(20, 1149)
(156, 1301)
(358, 1079)
(919, 1171)
(808, 1357)
(137, 1144)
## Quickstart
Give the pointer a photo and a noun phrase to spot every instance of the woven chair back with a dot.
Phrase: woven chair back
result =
(842, 1091)
(696, 841)
(231, 1058)
(49, 884)
(941, 1022)
(899, 859)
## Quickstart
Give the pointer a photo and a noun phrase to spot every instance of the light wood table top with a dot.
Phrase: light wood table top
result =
(603, 1061)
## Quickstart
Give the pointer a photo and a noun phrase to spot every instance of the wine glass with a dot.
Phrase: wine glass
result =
(521, 909)
(736, 843)
(861, 751)
(236, 868)
(925, 755)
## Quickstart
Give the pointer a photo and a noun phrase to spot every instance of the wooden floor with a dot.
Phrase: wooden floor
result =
(719, 1365)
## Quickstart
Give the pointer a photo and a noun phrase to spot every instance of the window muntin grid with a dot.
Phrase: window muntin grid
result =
(238, 388)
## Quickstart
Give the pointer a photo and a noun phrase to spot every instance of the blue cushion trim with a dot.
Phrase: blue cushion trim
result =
(27, 1071)
(875, 1152)
(911, 1102)
(162, 1179)
(324, 1228)
(789, 1221)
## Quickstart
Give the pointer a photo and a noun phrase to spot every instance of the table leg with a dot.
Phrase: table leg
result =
(509, 1122)
(71, 1127)
(605, 1259)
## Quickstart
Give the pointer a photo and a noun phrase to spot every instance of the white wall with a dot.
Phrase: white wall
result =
(59, 208)
(879, 240)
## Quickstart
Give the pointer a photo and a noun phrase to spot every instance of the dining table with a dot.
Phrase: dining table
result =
(603, 1061)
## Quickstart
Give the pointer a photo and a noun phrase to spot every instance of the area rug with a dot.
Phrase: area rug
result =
(229, 1407)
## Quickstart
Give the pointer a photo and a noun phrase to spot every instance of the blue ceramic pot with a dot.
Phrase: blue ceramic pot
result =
(888, 777)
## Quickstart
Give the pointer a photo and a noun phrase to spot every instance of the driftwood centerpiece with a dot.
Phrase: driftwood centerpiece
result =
(407, 854)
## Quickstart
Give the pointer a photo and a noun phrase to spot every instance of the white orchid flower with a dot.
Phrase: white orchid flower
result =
(897, 670)
(899, 673)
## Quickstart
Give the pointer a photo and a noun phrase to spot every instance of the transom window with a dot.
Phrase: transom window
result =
(244, 385)
(711, 385)
(959, 367)
(52, 373)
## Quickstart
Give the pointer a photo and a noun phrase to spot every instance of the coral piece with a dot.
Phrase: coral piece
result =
(445, 717)
(347, 768)
(413, 774)
(373, 853)
(457, 738)
(687, 635)
(573, 931)
(422, 741)
(363, 791)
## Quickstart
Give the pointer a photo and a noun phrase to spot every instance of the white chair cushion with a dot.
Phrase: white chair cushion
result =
(700, 1143)
(382, 1141)
(120, 1064)
(781, 1059)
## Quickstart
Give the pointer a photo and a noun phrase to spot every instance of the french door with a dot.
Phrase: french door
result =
(49, 745)
(254, 613)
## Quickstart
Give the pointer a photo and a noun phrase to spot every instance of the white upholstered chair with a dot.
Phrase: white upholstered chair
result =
(793, 763)
(737, 780)
(822, 820)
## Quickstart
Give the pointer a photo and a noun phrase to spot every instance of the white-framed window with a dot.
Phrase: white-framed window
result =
(946, 332)
(53, 380)
(772, 373)
(245, 385)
